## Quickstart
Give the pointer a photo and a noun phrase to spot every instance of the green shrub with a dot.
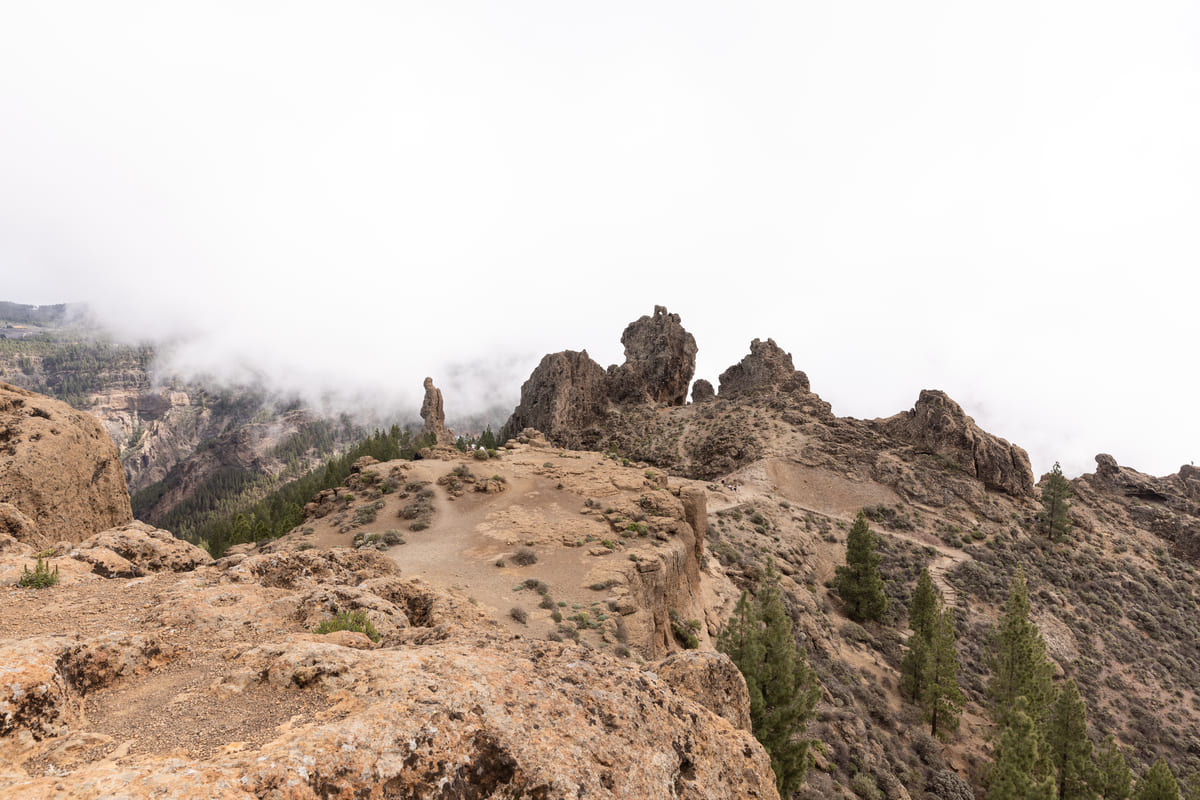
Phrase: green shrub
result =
(40, 578)
(685, 631)
(481, 455)
(349, 621)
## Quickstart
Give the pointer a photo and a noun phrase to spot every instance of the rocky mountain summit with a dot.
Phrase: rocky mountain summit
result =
(569, 393)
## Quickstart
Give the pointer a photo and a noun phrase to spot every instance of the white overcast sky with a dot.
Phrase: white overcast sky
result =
(1001, 200)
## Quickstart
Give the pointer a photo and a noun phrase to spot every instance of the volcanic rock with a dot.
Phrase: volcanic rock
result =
(143, 548)
(767, 369)
(565, 396)
(938, 425)
(660, 359)
(17, 525)
(433, 413)
(451, 707)
(712, 680)
(58, 468)
(702, 391)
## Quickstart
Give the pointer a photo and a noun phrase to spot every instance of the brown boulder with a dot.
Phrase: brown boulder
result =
(660, 359)
(938, 425)
(565, 395)
(702, 391)
(139, 548)
(712, 680)
(766, 369)
(59, 468)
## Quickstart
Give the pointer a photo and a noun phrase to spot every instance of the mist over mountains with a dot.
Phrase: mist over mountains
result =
(986, 203)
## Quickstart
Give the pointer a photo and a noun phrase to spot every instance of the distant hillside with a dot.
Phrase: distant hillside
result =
(229, 445)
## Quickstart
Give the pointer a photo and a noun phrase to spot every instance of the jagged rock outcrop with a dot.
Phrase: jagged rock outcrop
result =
(1168, 507)
(433, 413)
(938, 425)
(564, 397)
(569, 394)
(660, 359)
(702, 391)
(766, 369)
(58, 468)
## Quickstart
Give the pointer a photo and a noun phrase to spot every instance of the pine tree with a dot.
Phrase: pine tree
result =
(922, 612)
(1070, 749)
(940, 694)
(1054, 521)
(783, 689)
(859, 582)
(1159, 784)
(1018, 770)
(1019, 664)
(1114, 779)
(1190, 788)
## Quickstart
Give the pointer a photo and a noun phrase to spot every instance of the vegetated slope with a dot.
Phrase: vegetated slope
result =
(205, 449)
(1117, 602)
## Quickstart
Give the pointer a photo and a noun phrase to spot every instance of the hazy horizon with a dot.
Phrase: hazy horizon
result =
(998, 202)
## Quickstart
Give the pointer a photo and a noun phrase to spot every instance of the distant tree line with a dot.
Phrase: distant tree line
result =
(282, 509)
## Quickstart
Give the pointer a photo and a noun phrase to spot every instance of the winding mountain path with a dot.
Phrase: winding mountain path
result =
(841, 500)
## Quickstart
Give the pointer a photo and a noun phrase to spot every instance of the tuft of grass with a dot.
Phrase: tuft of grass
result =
(349, 621)
(40, 578)
(518, 613)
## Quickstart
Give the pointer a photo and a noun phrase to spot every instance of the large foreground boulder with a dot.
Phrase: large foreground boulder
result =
(58, 468)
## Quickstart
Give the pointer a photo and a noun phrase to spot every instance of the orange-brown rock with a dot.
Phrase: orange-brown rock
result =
(450, 706)
(140, 548)
(58, 468)
(712, 680)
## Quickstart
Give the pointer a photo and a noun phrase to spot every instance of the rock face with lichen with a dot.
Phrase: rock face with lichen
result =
(58, 470)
